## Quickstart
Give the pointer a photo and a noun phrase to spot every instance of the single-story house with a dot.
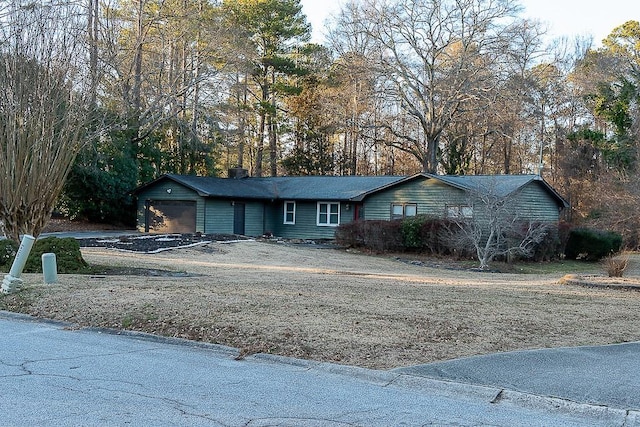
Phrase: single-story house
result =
(311, 207)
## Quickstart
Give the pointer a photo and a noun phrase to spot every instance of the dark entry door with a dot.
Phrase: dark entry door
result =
(238, 218)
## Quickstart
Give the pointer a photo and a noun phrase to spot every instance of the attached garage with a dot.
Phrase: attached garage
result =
(170, 216)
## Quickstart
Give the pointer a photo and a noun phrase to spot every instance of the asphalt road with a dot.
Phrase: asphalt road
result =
(52, 374)
(606, 376)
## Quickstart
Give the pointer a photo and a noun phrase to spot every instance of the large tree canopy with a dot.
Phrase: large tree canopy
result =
(275, 30)
(439, 58)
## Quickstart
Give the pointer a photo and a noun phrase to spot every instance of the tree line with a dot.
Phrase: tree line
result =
(398, 87)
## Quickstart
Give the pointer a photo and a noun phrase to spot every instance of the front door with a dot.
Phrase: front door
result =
(238, 218)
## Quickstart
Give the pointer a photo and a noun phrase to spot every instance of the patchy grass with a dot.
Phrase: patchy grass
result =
(561, 267)
(551, 267)
(333, 305)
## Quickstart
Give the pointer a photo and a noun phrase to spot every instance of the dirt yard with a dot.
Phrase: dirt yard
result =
(332, 305)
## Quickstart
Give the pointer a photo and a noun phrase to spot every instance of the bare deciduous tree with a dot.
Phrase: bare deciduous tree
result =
(42, 115)
(439, 58)
(491, 227)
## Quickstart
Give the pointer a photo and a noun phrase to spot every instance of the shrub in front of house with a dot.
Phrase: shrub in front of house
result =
(411, 229)
(425, 234)
(350, 234)
(564, 230)
(68, 256)
(550, 247)
(592, 245)
(382, 236)
(375, 235)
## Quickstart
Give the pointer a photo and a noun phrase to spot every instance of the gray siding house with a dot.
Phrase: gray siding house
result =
(311, 207)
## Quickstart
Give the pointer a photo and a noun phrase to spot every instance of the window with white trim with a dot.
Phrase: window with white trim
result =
(289, 213)
(328, 214)
(459, 211)
(402, 210)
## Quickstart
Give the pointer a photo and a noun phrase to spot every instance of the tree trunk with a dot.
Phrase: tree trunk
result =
(92, 27)
(430, 161)
(241, 103)
(273, 135)
(260, 144)
(273, 145)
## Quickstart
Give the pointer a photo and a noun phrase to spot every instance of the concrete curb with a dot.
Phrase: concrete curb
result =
(21, 317)
(489, 394)
(576, 280)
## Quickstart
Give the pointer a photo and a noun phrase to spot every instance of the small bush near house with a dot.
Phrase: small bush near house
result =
(376, 235)
(411, 229)
(425, 234)
(564, 230)
(350, 234)
(592, 245)
(382, 236)
(551, 246)
(68, 256)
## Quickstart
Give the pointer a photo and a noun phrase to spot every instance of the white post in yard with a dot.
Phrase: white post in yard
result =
(12, 280)
(49, 268)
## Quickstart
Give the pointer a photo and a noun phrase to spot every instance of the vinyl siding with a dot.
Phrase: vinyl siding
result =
(306, 221)
(254, 219)
(533, 203)
(272, 217)
(219, 216)
(178, 192)
(431, 197)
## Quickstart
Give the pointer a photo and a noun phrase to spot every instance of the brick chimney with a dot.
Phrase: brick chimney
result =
(238, 173)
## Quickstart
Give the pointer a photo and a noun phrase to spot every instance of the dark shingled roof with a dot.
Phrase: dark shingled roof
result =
(500, 185)
(342, 188)
(351, 188)
(247, 188)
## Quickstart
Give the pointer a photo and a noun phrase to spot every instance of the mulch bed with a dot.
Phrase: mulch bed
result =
(154, 243)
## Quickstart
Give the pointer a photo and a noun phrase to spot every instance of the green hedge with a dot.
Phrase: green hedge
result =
(592, 245)
(68, 256)
(426, 234)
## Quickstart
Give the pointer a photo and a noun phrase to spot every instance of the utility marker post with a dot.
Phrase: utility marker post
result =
(12, 280)
(49, 268)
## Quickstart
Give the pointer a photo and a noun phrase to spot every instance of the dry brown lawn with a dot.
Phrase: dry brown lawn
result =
(332, 305)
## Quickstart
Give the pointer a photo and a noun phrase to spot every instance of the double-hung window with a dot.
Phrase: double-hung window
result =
(402, 210)
(289, 213)
(459, 211)
(328, 214)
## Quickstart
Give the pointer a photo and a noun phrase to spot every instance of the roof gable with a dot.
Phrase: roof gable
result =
(500, 185)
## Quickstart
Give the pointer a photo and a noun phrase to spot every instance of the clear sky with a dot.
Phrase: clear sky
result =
(564, 17)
